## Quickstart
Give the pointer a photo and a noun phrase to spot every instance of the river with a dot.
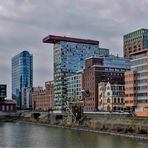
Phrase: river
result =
(31, 135)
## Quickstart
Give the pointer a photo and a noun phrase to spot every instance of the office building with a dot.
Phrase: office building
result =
(136, 82)
(134, 42)
(69, 57)
(102, 69)
(22, 75)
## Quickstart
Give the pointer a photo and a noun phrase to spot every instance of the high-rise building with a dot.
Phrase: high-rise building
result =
(102, 69)
(69, 57)
(135, 41)
(22, 75)
(136, 82)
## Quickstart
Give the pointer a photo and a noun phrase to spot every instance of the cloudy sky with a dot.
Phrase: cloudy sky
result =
(23, 24)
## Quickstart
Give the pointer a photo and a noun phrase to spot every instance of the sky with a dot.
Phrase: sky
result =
(24, 23)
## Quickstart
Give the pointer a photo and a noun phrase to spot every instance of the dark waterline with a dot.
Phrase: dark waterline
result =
(29, 135)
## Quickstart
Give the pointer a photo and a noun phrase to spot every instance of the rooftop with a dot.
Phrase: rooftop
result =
(8, 102)
(136, 32)
(108, 57)
(54, 39)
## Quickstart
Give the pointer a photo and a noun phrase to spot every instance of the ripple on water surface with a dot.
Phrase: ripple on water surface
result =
(31, 135)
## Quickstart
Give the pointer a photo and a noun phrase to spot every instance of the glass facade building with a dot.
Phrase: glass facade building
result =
(22, 75)
(104, 52)
(69, 57)
(135, 41)
(74, 86)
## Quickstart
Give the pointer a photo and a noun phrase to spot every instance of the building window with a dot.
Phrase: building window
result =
(121, 100)
(108, 93)
(7, 108)
(108, 100)
(3, 107)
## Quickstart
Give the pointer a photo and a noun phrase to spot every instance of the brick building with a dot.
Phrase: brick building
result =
(43, 99)
(8, 106)
(49, 85)
(102, 69)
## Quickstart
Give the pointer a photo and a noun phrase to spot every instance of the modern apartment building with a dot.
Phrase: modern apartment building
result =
(43, 99)
(69, 57)
(135, 41)
(111, 97)
(102, 69)
(136, 82)
(22, 75)
(74, 86)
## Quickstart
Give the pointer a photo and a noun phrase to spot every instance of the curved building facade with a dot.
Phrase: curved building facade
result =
(22, 75)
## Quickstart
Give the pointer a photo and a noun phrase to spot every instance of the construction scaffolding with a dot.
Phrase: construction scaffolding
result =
(73, 110)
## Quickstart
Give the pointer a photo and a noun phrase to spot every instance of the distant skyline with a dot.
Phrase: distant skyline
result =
(24, 23)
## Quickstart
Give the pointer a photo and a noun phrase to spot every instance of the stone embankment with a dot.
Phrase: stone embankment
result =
(8, 117)
(115, 125)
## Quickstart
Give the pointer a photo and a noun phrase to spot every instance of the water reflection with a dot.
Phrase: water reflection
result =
(29, 135)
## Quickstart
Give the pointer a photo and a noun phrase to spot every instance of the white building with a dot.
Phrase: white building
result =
(74, 86)
(26, 101)
(110, 97)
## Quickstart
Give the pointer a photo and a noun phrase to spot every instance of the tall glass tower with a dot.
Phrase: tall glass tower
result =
(69, 57)
(22, 75)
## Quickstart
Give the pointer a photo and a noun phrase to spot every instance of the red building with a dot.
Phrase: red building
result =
(102, 69)
(50, 87)
(8, 106)
(43, 99)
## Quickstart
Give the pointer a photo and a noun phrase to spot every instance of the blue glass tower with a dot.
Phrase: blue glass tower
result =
(22, 75)
(69, 57)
